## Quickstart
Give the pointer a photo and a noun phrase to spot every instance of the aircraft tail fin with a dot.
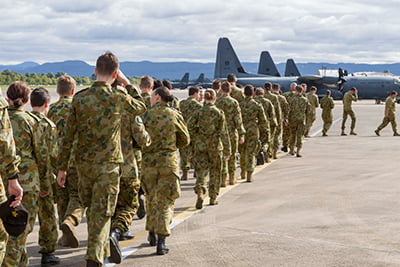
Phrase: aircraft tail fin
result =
(291, 69)
(227, 61)
(267, 66)
(185, 78)
(200, 79)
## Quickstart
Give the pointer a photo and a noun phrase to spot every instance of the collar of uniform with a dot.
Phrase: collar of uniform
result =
(14, 108)
(38, 114)
(101, 83)
(66, 97)
(161, 104)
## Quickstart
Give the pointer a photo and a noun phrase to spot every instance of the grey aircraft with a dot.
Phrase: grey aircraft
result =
(183, 83)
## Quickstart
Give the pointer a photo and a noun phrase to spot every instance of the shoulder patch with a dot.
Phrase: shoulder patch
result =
(139, 120)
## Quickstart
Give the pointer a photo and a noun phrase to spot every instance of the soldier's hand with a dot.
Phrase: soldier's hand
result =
(43, 194)
(227, 157)
(61, 177)
(15, 189)
(241, 140)
(122, 78)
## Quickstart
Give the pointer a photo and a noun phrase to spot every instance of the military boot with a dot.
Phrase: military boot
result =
(267, 159)
(243, 174)
(249, 177)
(152, 239)
(68, 230)
(298, 153)
(291, 152)
(184, 175)
(232, 179)
(274, 154)
(343, 133)
(63, 242)
(377, 132)
(223, 181)
(92, 263)
(324, 133)
(49, 259)
(141, 211)
(126, 236)
(396, 134)
(199, 202)
(162, 249)
(353, 133)
(213, 201)
(115, 251)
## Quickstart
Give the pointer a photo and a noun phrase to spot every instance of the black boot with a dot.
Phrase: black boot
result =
(152, 239)
(141, 212)
(91, 263)
(126, 236)
(115, 251)
(161, 247)
(49, 259)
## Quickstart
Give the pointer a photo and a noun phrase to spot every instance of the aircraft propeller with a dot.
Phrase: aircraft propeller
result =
(341, 80)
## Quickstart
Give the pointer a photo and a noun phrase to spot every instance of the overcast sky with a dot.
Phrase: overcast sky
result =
(359, 31)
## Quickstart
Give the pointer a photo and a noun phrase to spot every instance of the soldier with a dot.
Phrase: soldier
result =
(146, 86)
(327, 105)
(273, 149)
(236, 93)
(95, 117)
(390, 114)
(175, 102)
(286, 130)
(8, 169)
(216, 85)
(348, 98)
(160, 176)
(285, 112)
(210, 146)
(70, 210)
(298, 107)
(188, 107)
(236, 131)
(255, 124)
(311, 115)
(48, 234)
(27, 142)
(269, 114)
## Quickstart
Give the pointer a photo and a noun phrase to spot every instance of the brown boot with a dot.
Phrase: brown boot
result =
(274, 154)
(68, 229)
(343, 133)
(249, 177)
(243, 175)
(266, 158)
(184, 175)
(223, 181)
(353, 133)
(213, 201)
(291, 151)
(199, 202)
(298, 153)
(232, 179)
(396, 134)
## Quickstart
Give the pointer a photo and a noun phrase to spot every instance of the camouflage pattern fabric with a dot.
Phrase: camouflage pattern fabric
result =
(277, 130)
(160, 179)
(390, 106)
(269, 111)
(297, 116)
(311, 115)
(48, 233)
(285, 111)
(327, 106)
(348, 111)
(146, 99)
(237, 93)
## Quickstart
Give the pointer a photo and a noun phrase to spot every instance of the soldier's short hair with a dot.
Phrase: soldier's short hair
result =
(146, 82)
(65, 85)
(231, 78)
(209, 94)
(157, 83)
(249, 90)
(18, 92)
(393, 93)
(267, 86)
(193, 90)
(276, 86)
(304, 85)
(353, 89)
(260, 91)
(167, 84)
(328, 92)
(216, 84)
(39, 96)
(299, 88)
(225, 87)
(313, 88)
(107, 64)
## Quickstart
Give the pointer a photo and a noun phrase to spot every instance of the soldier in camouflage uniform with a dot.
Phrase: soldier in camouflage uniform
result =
(8, 169)
(298, 108)
(390, 114)
(95, 121)
(285, 112)
(236, 130)
(27, 142)
(48, 234)
(327, 105)
(236, 93)
(146, 86)
(188, 107)
(160, 171)
(211, 144)
(175, 101)
(70, 210)
(273, 148)
(348, 98)
(286, 130)
(256, 126)
(311, 115)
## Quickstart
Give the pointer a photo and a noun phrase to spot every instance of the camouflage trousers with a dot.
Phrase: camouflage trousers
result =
(285, 135)
(48, 233)
(98, 191)
(127, 203)
(353, 119)
(272, 140)
(229, 166)
(296, 133)
(248, 150)
(186, 154)
(16, 246)
(3, 242)
(68, 203)
(327, 119)
(208, 162)
(161, 186)
(309, 122)
(277, 136)
(385, 122)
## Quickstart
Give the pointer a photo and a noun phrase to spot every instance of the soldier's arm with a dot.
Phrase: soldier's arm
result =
(133, 106)
(239, 121)
(67, 139)
(182, 133)
(225, 136)
(139, 133)
(263, 126)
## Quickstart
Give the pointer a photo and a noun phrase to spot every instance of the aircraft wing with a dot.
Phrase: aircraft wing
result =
(330, 81)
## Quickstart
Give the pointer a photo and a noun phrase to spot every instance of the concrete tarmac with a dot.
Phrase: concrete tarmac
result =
(336, 206)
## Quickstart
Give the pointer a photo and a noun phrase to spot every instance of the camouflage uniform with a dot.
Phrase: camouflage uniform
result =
(95, 117)
(8, 165)
(146, 99)
(160, 179)
(277, 129)
(210, 146)
(286, 130)
(269, 115)
(237, 93)
(234, 123)
(48, 233)
(347, 110)
(311, 115)
(256, 126)
(390, 115)
(27, 142)
(69, 207)
(188, 107)
(298, 108)
(285, 112)
(327, 105)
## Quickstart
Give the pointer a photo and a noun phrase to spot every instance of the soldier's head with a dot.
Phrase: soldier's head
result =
(249, 90)
(226, 88)
(18, 94)
(313, 89)
(66, 85)
(276, 87)
(268, 86)
(299, 89)
(107, 66)
(304, 85)
(353, 90)
(167, 83)
(393, 94)
(146, 83)
(293, 87)
(216, 85)
(260, 91)
(40, 98)
(210, 96)
(161, 94)
(194, 92)
(158, 83)
(231, 78)
(328, 93)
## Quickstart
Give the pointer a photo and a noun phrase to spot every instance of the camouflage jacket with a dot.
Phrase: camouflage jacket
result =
(146, 99)
(9, 160)
(348, 99)
(233, 115)
(210, 130)
(48, 150)
(237, 93)
(390, 107)
(254, 119)
(277, 106)
(188, 108)
(95, 116)
(284, 106)
(314, 102)
(327, 103)
(288, 95)
(268, 109)
(298, 108)
(168, 132)
(27, 143)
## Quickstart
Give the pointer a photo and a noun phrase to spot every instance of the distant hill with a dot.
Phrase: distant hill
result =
(175, 70)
